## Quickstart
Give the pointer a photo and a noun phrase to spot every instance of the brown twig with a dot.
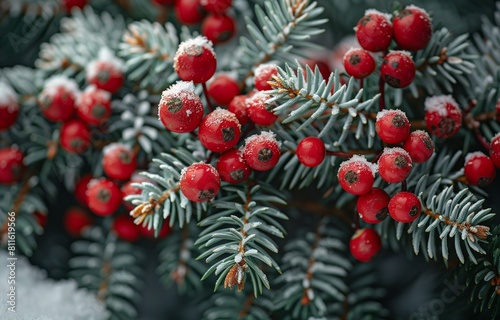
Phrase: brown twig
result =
(179, 274)
(481, 232)
(104, 284)
(145, 209)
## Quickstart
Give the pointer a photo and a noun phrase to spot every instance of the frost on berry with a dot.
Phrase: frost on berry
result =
(105, 55)
(193, 47)
(438, 104)
(263, 136)
(421, 10)
(387, 16)
(472, 155)
(360, 162)
(55, 83)
(8, 97)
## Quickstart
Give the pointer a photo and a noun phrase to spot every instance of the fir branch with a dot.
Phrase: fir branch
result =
(228, 305)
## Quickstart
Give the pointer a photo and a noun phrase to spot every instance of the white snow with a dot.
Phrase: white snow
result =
(219, 115)
(238, 258)
(106, 56)
(438, 104)
(265, 69)
(184, 90)
(393, 112)
(8, 97)
(264, 135)
(496, 139)
(387, 16)
(53, 84)
(112, 147)
(92, 92)
(390, 151)
(361, 161)
(406, 53)
(471, 155)
(199, 41)
(414, 7)
(258, 98)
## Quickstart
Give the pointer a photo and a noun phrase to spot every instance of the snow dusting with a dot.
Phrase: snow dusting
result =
(387, 16)
(258, 98)
(92, 92)
(264, 135)
(8, 97)
(184, 90)
(406, 53)
(361, 161)
(55, 83)
(472, 155)
(438, 104)
(394, 112)
(116, 146)
(422, 10)
(199, 41)
(265, 69)
(104, 57)
(215, 118)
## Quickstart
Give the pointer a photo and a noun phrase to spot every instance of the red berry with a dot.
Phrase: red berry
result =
(70, 4)
(9, 108)
(357, 175)
(76, 220)
(372, 206)
(188, 11)
(232, 167)
(41, 218)
(262, 151)
(365, 244)
(200, 182)
(497, 109)
(374, 31)
(150, 233)
(257, 110)
(74, 136)
(164, 2)
(392, 126)
(103, 196)
(323, 67)
(398, 69)
(263, 74)
(419, 146)
(57, 100)
(219, 130)
(217, 6)
(495, 150)
(81, 189)
(359, 63)
(11, 165)
(223, 88)
(128, 189)
(106, 72)
(412, 28)
(404, 207)
(180, 109)
(443, 116)
(238, 106)
(394, 165)
(311, 151)
(218, 28)
(126, 229)
(479, 169)
(118, 161)
(195, 60)
(94, 105)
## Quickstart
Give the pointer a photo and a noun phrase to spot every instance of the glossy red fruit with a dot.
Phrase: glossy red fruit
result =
(262, 151)
(359, 63)
(357, 175)
(412, 28)
(189, 11)
(495, 150)
(150, 233)
(419, 146)
(223, 88)
(195, 60)
(218, 28)
(392, 126)
(394, 165)
(106, 72)
(238, 106)
(232, 167)
(219, 130)
(443, 116)
(263, 74)
(372, 206)
(257, 110)
(103, 196)
(216, 6)
(74, 136)
(81, 189)
(404, 207)
(365, 244)
(479, 169)
(200, 182)
(398, 69)
(93, 106)
(11, 165)
(70, 4)
(126, 229)
(76, 220)
(57, 100)
(118, 161)
(9, 107)
(374, 31)
(311, 151)
(180, 108)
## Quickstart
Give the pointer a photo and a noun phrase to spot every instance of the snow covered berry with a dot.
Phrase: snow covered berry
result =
(357, 175)
(218, 28)
(94, 105)
(57, 100)
(74, 136)
(443, 116)
(372, 206)
(126, 229)
(223, 88)
(495, 150)
(365, 244)
(374, 31)
(216, 6)
(118, 161)
(103, 196)
(9, 107)
(263, 74)
(412, 28)
(11, 165)
(419, 146)
(311, 151)
(398, 69)
(81, 189)
(392, 126)
(358, 63)
(238, 106)
(394, 165)
(76, 220)
(479, 169)
(106, 72)
(189, 11)
(200, 182)
(219, 131)
(195, 60)
(404, 207)
(180, 108)
(262, 151)
(257, 109)
(232, 167)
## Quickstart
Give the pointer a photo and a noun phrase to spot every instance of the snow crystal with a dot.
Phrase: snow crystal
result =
(394, 112)
(406, 53)
(472, 155)
(8, 97)
(351, 49)
(53, 84)
(112, 147)
(199, 41)
(92, 93)
(40, 298)
(393, 150)
(264, 135)
(361, 161)
(496, 139)
(107, 56)
(218, 115)
(238, 258)
(265, 69)
(258, 98)
(414, 7)
(184, 90)
(387, 16)
(438, 104)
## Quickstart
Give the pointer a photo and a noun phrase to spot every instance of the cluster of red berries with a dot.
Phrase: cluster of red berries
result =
(411, 29)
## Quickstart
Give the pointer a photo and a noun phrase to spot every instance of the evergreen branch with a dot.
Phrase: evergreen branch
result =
(228, 305)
